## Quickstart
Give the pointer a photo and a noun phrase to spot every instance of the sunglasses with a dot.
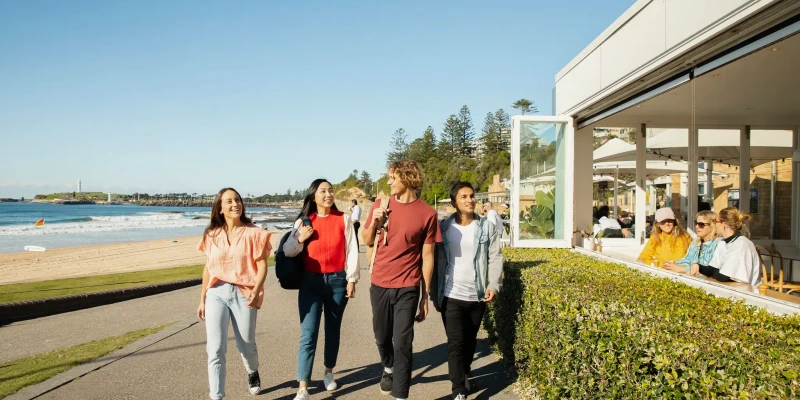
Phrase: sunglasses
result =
(702, 224)
(668, 221)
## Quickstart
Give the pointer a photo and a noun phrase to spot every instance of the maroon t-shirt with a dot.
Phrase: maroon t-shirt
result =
(398, 264)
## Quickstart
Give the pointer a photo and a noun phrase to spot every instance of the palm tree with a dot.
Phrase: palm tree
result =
(524, 106)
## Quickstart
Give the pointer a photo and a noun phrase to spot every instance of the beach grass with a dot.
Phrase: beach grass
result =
(97, 283)
(17, 374)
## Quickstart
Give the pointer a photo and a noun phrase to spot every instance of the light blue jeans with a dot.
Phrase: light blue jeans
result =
(225, 302)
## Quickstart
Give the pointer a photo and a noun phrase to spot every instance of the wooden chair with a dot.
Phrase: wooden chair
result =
(768, 278)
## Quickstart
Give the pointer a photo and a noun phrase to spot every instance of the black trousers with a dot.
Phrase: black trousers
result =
(393, 312)
(462, 320)
(357, 225)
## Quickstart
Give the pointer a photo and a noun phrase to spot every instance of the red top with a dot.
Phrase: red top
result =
(398, 264)
(326, 246)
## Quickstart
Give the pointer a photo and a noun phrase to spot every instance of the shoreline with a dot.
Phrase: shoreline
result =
(74, 262)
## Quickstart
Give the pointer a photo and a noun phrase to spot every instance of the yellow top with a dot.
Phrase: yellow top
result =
(668, 249)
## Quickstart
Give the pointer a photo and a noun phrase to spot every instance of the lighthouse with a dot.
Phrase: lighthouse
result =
(109, 197)
(79, 186)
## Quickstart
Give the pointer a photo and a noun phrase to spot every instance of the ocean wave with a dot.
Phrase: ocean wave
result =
(107, 224)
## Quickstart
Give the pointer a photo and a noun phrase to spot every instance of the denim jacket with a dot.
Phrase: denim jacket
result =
(488, 260)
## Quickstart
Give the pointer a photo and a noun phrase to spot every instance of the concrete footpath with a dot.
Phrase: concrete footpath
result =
(175, 367)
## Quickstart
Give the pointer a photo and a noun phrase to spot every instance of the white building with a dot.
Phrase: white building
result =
(708, 84)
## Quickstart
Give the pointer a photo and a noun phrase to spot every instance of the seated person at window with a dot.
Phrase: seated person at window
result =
(739, 262)
(625, 220)
(668, 242)
(607, 227)
(702, 249)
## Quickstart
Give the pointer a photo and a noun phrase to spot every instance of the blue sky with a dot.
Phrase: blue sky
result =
(190, 96)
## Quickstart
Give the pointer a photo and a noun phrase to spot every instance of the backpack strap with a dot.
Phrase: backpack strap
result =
(382, 225)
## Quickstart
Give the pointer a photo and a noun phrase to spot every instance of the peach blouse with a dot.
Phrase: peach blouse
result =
(235, 263)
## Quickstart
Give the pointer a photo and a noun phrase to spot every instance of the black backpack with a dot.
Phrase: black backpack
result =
(289, 270)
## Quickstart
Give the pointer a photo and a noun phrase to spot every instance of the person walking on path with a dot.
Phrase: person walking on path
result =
(403, 234)
(233, 287)
(466, 278)
(331, 273)
(493, 218)
(355, 216)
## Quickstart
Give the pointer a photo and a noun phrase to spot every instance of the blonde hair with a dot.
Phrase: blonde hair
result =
(677, 232)
(710, 217)
(409, 172)
(735, 219)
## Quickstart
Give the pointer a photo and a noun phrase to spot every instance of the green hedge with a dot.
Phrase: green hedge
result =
(574, 327)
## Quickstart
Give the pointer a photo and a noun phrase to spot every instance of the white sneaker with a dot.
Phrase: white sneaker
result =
(461, 397)
(329, 382)
(302, 394)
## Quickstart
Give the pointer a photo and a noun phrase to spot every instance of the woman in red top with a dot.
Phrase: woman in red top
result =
(331, 264)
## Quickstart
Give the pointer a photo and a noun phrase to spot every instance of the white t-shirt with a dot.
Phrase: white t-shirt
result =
(356, 210)
(739, 261)
(460, 265)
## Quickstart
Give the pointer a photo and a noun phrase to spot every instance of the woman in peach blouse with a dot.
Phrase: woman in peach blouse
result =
(233, 286)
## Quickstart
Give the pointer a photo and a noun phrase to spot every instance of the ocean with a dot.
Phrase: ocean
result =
(91, 224)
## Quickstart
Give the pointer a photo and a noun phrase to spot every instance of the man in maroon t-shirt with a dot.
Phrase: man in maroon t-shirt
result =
(403, 260)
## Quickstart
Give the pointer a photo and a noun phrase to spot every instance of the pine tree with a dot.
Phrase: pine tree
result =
(365, 181)
(448, 144)
(490, 141)
(399, 147)
(466, 134)
(503, 122)
(525, 106)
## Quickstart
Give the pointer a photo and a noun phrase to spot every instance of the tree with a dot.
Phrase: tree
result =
(491, 142)
(525, 106)
(503, 123)
(448, 143)
(466, 133)
(423, 148)
(365, 182)
(398, 147)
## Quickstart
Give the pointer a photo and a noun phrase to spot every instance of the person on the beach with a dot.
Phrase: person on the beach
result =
(233, 287)
(403, 234)
(466, 278)
(355, 216)
(331, 274)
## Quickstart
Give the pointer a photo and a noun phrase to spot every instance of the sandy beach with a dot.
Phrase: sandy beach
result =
(102, 259)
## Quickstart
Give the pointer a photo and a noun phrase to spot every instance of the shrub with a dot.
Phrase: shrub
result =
(574, 327)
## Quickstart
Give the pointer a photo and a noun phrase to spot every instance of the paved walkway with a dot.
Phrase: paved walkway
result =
(175, 368)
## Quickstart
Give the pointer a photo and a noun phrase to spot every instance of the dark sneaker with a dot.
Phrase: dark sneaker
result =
(254, 383)
(386, 383)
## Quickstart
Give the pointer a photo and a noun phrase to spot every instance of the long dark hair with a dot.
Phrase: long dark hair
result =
(217, 219)
(309, 203)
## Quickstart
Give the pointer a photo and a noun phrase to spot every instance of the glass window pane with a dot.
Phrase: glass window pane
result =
(542, 169)
(771, 184)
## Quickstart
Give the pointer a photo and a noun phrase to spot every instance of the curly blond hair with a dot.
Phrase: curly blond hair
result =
(409, 172)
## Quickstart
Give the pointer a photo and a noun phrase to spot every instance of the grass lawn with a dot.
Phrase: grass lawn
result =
(99, 283)
(17, 374)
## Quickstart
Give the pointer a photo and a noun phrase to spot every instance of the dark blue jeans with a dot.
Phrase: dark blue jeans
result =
(318, 293)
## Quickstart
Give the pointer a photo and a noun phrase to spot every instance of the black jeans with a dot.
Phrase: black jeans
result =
(357, 225)
(462, 320)
(393, 312)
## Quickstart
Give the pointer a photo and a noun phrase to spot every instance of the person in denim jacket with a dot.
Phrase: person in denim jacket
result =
(702, 249)
(466, 277)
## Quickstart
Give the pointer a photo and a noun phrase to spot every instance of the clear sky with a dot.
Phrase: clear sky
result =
(191, 96)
